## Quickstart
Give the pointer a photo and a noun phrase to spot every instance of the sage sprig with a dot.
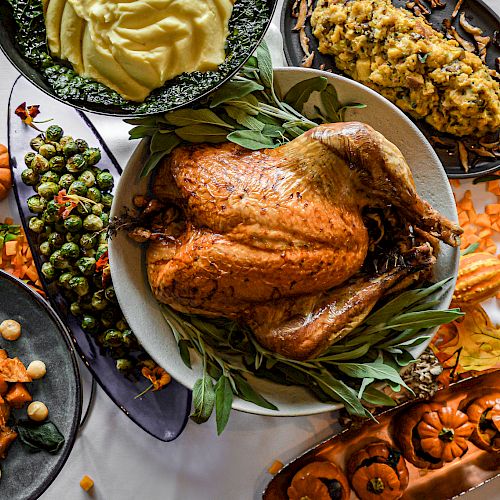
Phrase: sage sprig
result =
(248, 110)
(349, 372)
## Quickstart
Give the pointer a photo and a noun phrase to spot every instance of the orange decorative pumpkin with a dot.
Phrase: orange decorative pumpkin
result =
(5, 174)
(378, 472)
(431, 434)
(478, 279)
(484, 415)
(319, 481)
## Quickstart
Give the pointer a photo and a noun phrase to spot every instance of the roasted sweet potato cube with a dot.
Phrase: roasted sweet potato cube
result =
(17, 395)
(4, 413)
(13, 370)
(7, 437)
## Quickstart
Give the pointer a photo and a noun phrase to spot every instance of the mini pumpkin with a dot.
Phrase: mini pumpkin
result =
(478, 279)
(5, 174)
(378, 472)
(319, 481)
(484, 415)
(431, 434)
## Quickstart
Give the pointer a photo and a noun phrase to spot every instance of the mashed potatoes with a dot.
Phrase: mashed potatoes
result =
(400, 56)
(135, 46)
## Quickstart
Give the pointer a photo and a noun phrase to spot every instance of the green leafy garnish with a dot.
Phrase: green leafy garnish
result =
(247, 111)
(349, 372)
(37, 437)
(8, 232)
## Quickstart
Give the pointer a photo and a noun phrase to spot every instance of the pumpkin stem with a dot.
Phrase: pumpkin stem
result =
(446, 435)
(376, 485)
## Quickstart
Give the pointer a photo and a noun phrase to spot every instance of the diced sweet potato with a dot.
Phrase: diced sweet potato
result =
(7, 437)
(4, 413)
(3, 354)
(4, 386)
(17, 395)
(13, 370)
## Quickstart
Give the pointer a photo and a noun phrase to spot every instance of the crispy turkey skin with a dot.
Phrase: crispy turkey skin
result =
(277, 239)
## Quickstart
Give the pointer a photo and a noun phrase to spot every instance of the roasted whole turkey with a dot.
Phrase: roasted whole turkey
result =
(297, 242)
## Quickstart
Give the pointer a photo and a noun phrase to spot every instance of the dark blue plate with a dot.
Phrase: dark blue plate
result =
(25, 475)
(162, 414)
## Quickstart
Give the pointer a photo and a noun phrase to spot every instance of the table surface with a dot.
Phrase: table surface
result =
(126, 463)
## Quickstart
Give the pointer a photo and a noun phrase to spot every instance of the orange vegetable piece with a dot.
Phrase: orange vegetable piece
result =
(482, 220)
(13, 370)
(86, 483)
(492, 209)
(275, 467)
(17, 396)
(10, 248)
(7, 437)
(4, 413)
(3, 386)
(3, 354)
(455, 183)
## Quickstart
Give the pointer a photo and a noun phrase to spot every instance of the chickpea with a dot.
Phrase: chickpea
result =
(36, 369)
(37, 411)
(10, 329)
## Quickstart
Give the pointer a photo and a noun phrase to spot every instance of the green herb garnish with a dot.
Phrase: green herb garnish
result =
(349, 372)
(37, 437)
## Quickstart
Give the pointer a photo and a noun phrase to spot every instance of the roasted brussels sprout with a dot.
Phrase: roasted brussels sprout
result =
(86, 265)
(57, 164)
(65, 181)
(50, 217)
(56, 240)
(40, 164)
(121, 324)
(54, 133)
(75, 308)
(65, 139)
(88, 240)
(107, 318)
(73, 223)
(104, 218)
(70, 250)
(36, 142)
(105, 181)
(99, 301)
(110, 294)
(107, 199)
(79, 285)
(72, 237)
(84, 208)
(36, 204)
(101, 249)
(112, 338)
(58, 260)
(28, 158)
(48, 190)
(48, 271)
(36, 225)
(92, 223)
(70, 148)
(94, 194)
(78, 187)
(87, 177)
(89, 323)
(45, 248)
(50, 176)
(103, 239)
(82, 145)
(124, 365)
(30, 177)
(63, 280)
(47, 151)
(92, 156)
(76, 163)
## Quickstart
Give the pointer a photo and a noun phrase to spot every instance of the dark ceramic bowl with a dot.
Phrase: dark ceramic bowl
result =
(26, 475)
(476, 11)
(176, 93)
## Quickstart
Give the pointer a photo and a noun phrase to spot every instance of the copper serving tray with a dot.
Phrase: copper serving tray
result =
(474, 469)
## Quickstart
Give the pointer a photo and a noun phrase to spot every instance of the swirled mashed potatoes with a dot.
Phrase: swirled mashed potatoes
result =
(135, 46)
(400, 56)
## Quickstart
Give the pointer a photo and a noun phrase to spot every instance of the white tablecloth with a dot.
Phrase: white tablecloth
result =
(128, 464)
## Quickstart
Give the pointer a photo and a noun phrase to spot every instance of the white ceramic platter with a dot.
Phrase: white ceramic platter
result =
(128, 263)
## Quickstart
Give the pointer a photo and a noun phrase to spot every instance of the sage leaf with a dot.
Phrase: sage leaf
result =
(273, 131)
(36, 437)
(301, 92)
(246, 392)
(342, 393)
(183, 346)
(470, 249)
(152, 162)
(162, 142)
(150, 121)
(223, 403)
(424, 319)
(203, 399)
(234, 89)
(140, 131)
(378, 398)
(377, 371)
(330, 103)
(346, 354)
(243, 118)
(364, 384)
(354, 105)
(189, 117)
(265, 65)
(202, 133)
(251, 139)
